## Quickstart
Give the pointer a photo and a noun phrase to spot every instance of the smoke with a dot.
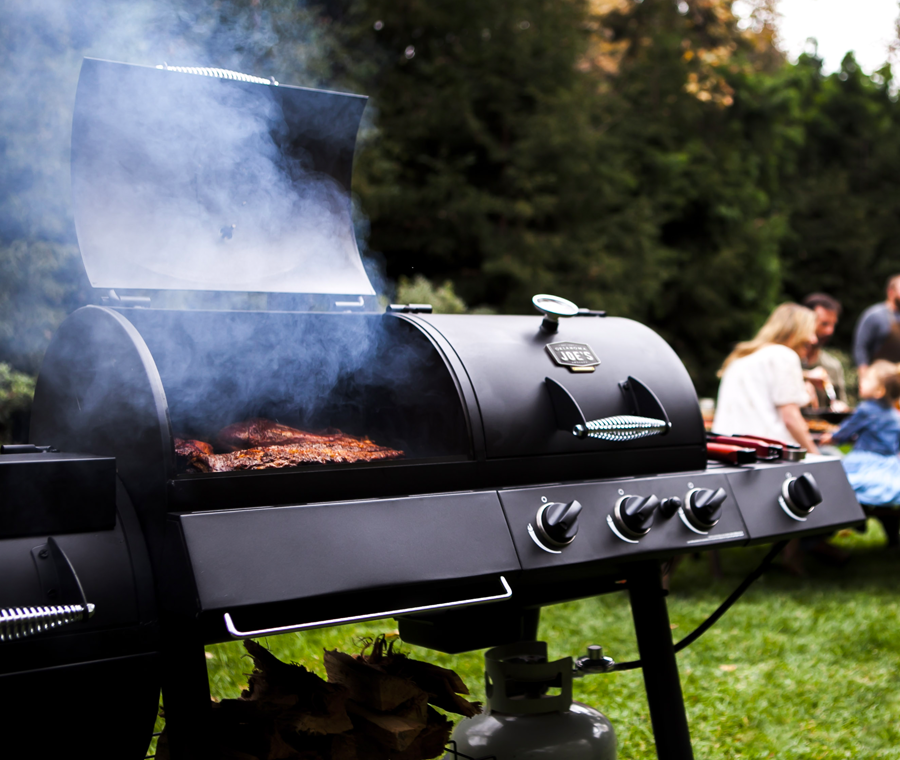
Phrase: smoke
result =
(45, 42)
(363, 373)
(193, 183)
(42, 44)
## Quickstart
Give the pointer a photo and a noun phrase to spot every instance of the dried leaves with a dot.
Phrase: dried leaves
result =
(373, 706)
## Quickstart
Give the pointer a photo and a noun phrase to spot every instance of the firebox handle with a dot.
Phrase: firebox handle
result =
(235, 633)
(59, 581)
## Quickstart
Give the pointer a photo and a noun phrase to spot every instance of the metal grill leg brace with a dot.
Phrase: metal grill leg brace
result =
(654, 638)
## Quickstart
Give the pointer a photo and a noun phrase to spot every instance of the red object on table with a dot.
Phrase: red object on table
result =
(763, 450)
(723, 452)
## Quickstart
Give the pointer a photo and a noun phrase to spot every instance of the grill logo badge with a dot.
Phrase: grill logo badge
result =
(578, 357)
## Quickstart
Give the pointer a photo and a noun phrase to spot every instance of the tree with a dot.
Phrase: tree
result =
(490, 167)
(595, 151)
(41, 283)
(845, 192)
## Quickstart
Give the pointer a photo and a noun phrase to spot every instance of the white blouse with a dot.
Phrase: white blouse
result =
(752, 389)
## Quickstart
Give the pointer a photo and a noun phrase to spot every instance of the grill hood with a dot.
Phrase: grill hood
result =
(200, 183)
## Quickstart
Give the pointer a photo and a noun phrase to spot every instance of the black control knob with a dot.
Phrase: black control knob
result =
(801, 495)
(704, 507)
(557, 523)
(634, 515)
(670, 506)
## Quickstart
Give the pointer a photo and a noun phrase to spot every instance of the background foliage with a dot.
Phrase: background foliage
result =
(656, 159)
(16, 392)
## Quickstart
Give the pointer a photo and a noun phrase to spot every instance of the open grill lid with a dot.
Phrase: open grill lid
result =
(203, 183)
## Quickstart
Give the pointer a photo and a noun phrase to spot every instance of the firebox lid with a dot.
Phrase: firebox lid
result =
(204, 183)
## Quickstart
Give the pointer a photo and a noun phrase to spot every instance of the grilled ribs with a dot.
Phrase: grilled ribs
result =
(261, 444)
(295, 454)
(252, 434)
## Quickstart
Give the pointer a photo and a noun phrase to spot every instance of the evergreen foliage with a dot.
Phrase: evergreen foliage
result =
(16, 392)
(40, 283)
(442, 299)
(844, 225)
(592, 152)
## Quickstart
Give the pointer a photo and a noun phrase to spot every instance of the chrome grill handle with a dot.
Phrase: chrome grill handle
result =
(22, 622)
(622, 427)
(207, 71)
(236, 634)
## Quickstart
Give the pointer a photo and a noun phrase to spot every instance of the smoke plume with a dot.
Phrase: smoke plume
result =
(42, 44)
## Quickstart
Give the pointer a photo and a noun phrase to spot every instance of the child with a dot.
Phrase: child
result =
(873, 467)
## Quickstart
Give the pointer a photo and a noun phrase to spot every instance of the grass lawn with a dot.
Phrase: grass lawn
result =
(798, 668)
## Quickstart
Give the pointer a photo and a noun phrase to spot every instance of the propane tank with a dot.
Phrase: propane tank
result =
(523, 721)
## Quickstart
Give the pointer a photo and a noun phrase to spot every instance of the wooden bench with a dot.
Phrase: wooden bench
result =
(889, 517)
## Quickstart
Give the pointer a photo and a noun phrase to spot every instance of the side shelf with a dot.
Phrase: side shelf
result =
(285, 566)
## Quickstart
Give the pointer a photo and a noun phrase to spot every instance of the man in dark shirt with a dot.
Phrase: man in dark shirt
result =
(877, 334)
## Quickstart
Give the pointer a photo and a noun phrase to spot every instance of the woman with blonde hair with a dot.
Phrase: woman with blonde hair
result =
(762, 386)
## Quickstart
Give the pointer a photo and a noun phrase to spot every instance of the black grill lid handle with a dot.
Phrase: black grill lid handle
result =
(622, 427)
(410, 308)
(644, 401)
(71, 589)
(568, 413)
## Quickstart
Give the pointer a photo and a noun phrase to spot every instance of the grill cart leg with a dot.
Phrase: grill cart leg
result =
(654, 638)
(186, 696)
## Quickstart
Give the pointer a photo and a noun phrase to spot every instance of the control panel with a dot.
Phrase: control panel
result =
(573, 523)
(794, 498)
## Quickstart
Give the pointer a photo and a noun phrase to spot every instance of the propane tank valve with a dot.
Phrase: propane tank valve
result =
(593, 662)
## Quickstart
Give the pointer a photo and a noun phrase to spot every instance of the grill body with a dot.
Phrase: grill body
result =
(443, 539)
(119, 382)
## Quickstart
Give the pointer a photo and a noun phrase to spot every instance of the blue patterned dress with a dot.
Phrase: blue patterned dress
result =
(873, 467)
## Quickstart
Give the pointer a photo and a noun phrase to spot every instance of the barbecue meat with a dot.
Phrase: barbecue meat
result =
(189, 448)
(260, 444)
(344, 451)
(186, 449)
(252, 434)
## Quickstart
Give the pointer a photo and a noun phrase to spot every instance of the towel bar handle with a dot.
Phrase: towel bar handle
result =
(235, 633)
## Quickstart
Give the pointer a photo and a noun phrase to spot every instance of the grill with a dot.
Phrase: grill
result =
(543, 458)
